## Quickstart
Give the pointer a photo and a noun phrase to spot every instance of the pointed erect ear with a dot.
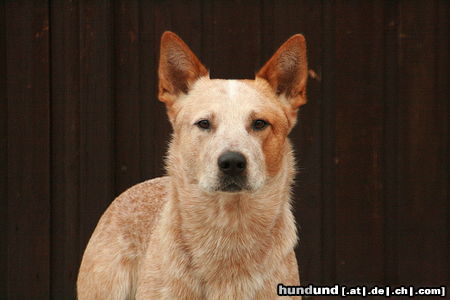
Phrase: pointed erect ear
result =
(179, 68)
(287, 71)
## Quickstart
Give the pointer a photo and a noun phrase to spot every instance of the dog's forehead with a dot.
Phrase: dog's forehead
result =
(225, 91)
(226, 94)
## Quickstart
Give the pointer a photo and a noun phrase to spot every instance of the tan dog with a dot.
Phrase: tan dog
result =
(219, 226)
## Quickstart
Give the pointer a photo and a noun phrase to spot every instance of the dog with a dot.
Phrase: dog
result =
(219, 225)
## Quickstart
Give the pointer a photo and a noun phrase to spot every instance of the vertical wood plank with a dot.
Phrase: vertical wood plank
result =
(126, 87)
(280, 20)
(442, 41)
(27, 51)
(422, 231)
(96, 114)
(390, 164)
(3, 157)
(152, 111)
(232, 44)
(328, 132)
(126, 93)
(359, 138)
(184, 18)
(65, 156)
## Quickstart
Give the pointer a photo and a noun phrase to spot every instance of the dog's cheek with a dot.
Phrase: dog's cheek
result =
(190, 166)
(188, 150)
(197, 155)
(272, 147)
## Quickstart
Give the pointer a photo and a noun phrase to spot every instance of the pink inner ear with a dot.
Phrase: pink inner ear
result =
(178, 67)
(286, 71)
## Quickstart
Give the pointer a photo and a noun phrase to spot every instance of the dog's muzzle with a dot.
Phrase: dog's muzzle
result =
(232, 166)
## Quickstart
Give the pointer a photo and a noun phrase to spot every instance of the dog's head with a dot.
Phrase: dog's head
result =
(230, 135)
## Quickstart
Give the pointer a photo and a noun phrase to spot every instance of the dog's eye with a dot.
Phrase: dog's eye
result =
(203, 124)
(259, 124)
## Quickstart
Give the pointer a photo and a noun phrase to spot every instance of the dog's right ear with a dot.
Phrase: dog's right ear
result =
(179, 68)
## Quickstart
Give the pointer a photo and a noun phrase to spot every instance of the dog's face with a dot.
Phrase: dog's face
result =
(231, 134)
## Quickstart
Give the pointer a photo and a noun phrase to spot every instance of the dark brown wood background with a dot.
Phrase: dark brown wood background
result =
(80, 123)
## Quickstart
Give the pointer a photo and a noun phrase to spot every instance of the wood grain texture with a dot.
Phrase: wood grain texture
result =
(359, 140)
(422, 231)
(96, 114)
(231, 47)
(328, 136)
(27, 70)
(3, 158)
(126, 40)
(65, 143)
(390, 137)
(151, 110)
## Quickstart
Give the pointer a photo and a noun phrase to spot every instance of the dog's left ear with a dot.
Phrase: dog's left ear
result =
(179, 68)
(287, 73)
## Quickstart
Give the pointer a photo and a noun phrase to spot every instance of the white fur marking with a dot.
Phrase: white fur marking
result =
(232, 88)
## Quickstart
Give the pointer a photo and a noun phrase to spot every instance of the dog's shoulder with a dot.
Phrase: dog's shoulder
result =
(132, 216)
(140, 205)
(145, 196)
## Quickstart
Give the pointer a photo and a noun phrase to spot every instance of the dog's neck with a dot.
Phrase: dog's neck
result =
(233, 229)
(232, 211)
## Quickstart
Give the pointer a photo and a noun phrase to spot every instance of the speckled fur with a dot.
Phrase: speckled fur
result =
(178, 237)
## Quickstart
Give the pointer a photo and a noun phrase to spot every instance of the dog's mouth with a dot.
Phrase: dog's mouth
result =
(232, 187)
(233, 184)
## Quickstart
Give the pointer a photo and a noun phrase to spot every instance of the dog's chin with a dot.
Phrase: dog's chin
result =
(233, 184)
(232, 188)
(226, 184)
(228, 187)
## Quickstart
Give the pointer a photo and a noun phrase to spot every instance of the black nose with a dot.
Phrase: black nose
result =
(232, 163)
